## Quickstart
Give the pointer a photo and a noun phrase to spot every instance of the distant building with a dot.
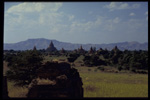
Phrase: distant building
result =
(81, 50)
(34, 48)
(62, 50)
(51, 48)
(100, 49)
(91, 50)
(115, 49)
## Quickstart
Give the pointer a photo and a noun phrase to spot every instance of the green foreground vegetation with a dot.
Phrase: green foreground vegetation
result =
(104, 73)
(102, 84)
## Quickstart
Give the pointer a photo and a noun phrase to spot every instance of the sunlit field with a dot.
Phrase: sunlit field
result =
(102, 84)
(99, 84)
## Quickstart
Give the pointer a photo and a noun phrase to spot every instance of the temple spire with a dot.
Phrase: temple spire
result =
(51, 44)
(51, 47)
(34, 48)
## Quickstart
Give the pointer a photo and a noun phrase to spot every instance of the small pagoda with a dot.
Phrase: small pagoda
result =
(91, 50)
(51, 48)
(115, 49)
(62, 50)
(81, 50)
(34, 48)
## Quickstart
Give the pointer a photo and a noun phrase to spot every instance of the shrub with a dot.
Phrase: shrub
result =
(141, 72)
(82, 64)
(95, 70)
(133, 70)
(119, 68)
(101, 68)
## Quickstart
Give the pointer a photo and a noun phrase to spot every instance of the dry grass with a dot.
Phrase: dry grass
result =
(102, 84)
(14, 91)
(99, 84)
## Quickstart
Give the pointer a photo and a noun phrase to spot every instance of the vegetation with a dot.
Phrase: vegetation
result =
(72, 57)
(23, 66)
(104, 84)
(104, 73)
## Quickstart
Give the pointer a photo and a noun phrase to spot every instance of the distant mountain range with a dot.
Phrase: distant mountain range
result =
(42, 43)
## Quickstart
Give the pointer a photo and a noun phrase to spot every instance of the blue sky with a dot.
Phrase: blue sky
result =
(76, 22)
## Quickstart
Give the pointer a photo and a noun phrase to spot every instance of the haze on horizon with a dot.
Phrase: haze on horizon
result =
(76, 22)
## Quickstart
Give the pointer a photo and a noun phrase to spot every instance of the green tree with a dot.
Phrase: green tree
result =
(93, 60)
(23, 67)
(72, 57)
(119, 68)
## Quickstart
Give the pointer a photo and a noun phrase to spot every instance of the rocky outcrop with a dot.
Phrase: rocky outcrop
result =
(56, 80)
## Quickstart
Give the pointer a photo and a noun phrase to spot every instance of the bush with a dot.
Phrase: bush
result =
(95, 70)
(119, 68)
(82, 64)
(24, 66)
(72, 57)
(133, 70)
(101, 68)
(141, 72)
(93, 61)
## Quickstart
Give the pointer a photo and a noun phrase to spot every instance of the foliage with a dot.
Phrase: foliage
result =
(72, 57)
(101, 85)
(23, 67)
(23, 64)
(119, 68)
(101, 68)
(93, 60)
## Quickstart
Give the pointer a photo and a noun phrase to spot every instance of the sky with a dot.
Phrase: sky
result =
(76, 22)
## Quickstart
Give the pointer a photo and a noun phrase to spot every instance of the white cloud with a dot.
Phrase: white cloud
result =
(135, 24)
(101, 22)
(116, 20)
(136, 5)
(33, 19)
(88, 26)
(132, 14)
(116, 5)
(147, 18)
(37, 13)
(123, 6)
(112, 5)
(111, 24)
(71, 17)
(46, 19)
(33, 13)
(34, 7)
(120, 6)
(146, 13)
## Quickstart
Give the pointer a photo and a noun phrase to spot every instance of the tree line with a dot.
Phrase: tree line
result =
(24, 64)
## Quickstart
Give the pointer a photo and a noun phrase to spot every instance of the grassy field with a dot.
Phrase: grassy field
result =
(14, 91)
(102, 84)
(97, 83)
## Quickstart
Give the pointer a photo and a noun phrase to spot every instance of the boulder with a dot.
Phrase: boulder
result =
(56, 80)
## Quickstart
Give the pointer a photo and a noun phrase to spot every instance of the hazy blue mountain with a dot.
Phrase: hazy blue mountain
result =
(42, 43)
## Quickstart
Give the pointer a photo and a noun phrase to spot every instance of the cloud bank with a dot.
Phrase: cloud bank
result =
(46, 20)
